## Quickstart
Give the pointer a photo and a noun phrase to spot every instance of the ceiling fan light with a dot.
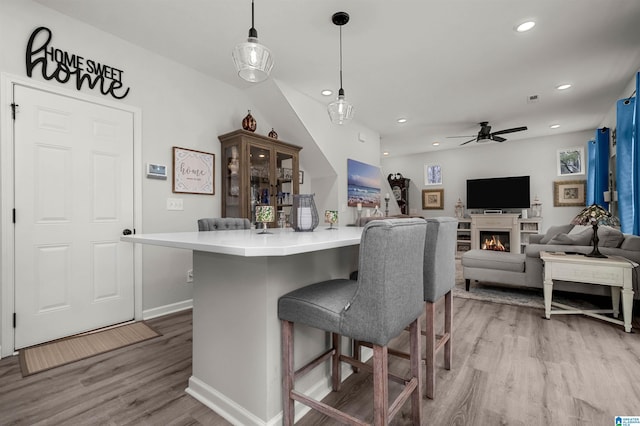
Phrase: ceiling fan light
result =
(340, 111)
(253, 60)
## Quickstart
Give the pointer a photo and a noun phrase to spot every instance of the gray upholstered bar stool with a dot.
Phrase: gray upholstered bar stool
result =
(439, 280)
(386, 298)
(223, 223)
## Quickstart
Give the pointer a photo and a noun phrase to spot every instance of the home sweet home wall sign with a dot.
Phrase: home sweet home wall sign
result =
(64, 67)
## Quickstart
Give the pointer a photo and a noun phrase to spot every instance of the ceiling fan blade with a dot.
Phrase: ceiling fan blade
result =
(465, 136)
(470, 140)
(515, 129)
(498, 138)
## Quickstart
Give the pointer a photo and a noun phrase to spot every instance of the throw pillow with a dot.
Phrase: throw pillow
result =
(579, 229)
(609, 237)
(631, 243)
(555, 230)
(582, 239)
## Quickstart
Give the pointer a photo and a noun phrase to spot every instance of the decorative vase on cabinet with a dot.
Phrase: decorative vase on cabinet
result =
(259, 172)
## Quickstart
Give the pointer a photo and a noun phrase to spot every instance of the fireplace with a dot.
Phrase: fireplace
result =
(504, 227)
(495, 240)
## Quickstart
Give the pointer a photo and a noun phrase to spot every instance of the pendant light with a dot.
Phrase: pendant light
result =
(253, 60)
(340, 111)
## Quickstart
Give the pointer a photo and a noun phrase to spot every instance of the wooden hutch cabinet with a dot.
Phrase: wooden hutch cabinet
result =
(257, 170)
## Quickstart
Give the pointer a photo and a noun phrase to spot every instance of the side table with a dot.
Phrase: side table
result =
(613, 271)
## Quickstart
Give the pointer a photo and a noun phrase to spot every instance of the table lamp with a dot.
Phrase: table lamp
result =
(264, 215)
(331, 217)
(595, 215)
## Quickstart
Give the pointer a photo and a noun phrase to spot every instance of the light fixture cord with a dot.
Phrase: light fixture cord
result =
(252, 24)
(340, 58)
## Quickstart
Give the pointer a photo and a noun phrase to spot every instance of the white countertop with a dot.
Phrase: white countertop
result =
(249, 243)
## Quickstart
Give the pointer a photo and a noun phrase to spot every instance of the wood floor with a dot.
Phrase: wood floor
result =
(510, 367)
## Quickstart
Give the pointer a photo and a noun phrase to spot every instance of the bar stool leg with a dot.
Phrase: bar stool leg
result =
(380, 386)
(448, 319)
(288, 408)
(336, 376)
(430, 357)
(416, 370)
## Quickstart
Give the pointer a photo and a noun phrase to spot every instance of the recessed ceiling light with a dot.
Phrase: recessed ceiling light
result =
(435, 143)
(554, 126)
(385, 153)
(327, 92)
(401, 120)
(563, 86)
(525, 26)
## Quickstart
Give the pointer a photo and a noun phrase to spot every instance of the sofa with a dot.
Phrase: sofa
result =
(526, 269)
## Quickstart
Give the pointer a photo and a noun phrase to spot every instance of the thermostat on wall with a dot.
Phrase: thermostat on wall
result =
(156, 171)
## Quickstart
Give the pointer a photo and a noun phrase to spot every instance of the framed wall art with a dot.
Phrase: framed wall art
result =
(363, 184)
(568, 193)
(432, 199)
(432, 174)
(571, 161)
(193, 171)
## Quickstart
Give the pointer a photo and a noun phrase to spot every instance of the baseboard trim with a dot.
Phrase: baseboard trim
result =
(167, 309)
(237, 415)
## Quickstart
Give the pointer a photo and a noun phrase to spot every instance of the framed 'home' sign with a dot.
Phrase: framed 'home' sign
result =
(193, 171)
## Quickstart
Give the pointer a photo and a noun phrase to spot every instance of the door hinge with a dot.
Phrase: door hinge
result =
(13, 110)
(134, 231)
(14, 320)
(14, 215)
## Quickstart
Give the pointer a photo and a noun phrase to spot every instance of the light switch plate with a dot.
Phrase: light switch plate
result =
(174, 204)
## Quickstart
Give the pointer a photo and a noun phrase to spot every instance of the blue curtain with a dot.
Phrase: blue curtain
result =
(598, 168)
(627, 163)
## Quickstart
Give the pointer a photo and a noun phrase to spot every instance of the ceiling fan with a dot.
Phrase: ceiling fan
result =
(485, 134)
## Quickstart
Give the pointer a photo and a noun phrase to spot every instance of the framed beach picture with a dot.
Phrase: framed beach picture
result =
(432, 199)
(568, 193)
(363, 184)
(571, 161)
(193, 171)
(432, 174)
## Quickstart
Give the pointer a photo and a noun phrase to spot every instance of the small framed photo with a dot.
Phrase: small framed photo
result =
(432, 174)
(300, 177)
(193, 171)
(433, 199)
(569, 193)
(571, 161)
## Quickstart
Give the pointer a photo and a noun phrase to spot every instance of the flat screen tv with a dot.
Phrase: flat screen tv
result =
(498, 193)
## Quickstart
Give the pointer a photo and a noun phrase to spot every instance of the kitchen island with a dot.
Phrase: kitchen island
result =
(238, 278)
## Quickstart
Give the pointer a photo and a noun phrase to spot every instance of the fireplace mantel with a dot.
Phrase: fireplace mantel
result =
(506, 222)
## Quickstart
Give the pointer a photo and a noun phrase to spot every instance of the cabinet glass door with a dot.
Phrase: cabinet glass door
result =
(260, 182)
(285, 188)
(231, 173)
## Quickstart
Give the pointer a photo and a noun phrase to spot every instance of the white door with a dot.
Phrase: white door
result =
(73, 199)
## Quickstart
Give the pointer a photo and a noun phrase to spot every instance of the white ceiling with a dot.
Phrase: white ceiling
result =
(445, 65)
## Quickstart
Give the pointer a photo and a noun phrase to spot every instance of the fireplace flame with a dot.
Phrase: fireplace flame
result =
(493, 243)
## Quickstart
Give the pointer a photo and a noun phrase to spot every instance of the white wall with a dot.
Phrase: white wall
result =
(180, 107)
(534, 157)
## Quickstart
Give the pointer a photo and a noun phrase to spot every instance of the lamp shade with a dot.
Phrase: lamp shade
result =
(330, 216)
(253, 61)
(340, 111)
(595, 214)
(265, 214)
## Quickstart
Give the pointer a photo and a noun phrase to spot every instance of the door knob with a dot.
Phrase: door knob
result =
(127, 232)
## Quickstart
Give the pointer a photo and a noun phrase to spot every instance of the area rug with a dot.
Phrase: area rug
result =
(74, 348)
(519, 296)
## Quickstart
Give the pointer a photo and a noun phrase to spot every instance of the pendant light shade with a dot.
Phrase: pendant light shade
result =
(340, 111)
(253, 61)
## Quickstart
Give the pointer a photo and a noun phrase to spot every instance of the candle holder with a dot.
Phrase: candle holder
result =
(264, 215)
(331, 217)
(304, 215)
